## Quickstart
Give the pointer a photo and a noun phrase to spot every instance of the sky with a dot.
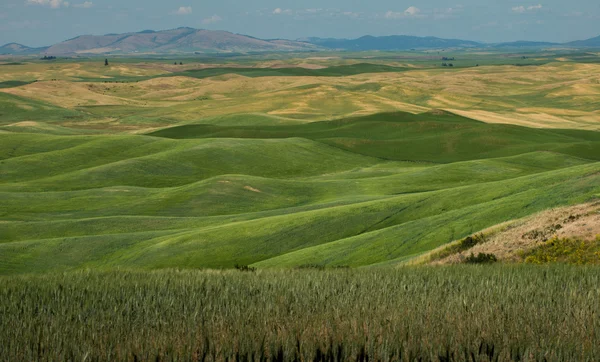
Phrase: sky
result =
(45, 22)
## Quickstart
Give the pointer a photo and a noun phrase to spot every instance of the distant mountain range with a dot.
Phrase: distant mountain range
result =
(404, 42)
(393, 42)
(181, 40)
(189, 40)
(593, 42)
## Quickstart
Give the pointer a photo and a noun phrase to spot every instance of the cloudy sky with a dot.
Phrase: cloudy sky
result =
(44, 22)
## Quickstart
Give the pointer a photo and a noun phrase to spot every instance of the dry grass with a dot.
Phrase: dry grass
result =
(509, 240)
(250, 188)
(24, 124)
(557, 95)
(72, 71)
(70, 95)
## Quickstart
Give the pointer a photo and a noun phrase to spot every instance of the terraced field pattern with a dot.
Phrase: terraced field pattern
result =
(322, 161)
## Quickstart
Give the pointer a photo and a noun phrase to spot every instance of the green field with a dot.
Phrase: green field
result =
(149, 165)
(355, 192)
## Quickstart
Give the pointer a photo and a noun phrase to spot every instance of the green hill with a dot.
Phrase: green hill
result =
(359, 191)
(422, 137)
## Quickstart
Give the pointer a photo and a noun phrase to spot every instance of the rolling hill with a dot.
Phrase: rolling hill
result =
(356, 191)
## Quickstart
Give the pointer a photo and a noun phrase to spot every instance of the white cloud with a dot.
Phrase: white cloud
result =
(410, 12)
(529, 9)
(183, 10)
(213, 19)
(85, 5)
(280, 11)
(54, 4)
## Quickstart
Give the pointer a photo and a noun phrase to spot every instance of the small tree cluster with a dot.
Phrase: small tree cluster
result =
(481, 258)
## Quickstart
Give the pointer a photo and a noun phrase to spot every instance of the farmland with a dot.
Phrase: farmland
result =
(282, 162)
(450, 313)
(283, 207)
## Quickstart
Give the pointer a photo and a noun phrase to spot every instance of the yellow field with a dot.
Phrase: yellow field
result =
(556, 95)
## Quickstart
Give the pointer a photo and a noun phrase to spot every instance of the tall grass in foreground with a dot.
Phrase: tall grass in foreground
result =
(467, 313)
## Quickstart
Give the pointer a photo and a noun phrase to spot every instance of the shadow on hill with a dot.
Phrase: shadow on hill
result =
(429, 137)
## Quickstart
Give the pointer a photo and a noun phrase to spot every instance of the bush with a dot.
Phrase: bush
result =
(565, 250)
(481, 258)
(471, 241)
(463, 245)
(244, 268)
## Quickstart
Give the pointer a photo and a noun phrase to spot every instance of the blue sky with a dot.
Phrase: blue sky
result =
(44, 22)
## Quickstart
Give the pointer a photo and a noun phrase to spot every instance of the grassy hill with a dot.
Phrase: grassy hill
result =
(423, 137)
(357, 191)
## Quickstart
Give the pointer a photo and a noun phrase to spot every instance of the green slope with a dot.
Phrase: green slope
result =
(360, 191)
(422, 137)
(153, 162)
(333, 71)
(361, 233)
(16, 109)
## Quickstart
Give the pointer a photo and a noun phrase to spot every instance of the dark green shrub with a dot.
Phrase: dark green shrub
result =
(244, 268)
(481, 258)
(465, 244)
(311, 266)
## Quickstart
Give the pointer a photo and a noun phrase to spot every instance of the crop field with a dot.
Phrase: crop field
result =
(284, 162)
(464, 313)
(275, 207)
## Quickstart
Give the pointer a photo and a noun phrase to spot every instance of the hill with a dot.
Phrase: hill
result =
(592, 43)
(181, 40)
(14, 48)
(567, 234)
(404, 42)
(357, 191)
(393, 42)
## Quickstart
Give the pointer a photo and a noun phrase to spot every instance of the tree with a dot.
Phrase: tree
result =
(105, 62)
